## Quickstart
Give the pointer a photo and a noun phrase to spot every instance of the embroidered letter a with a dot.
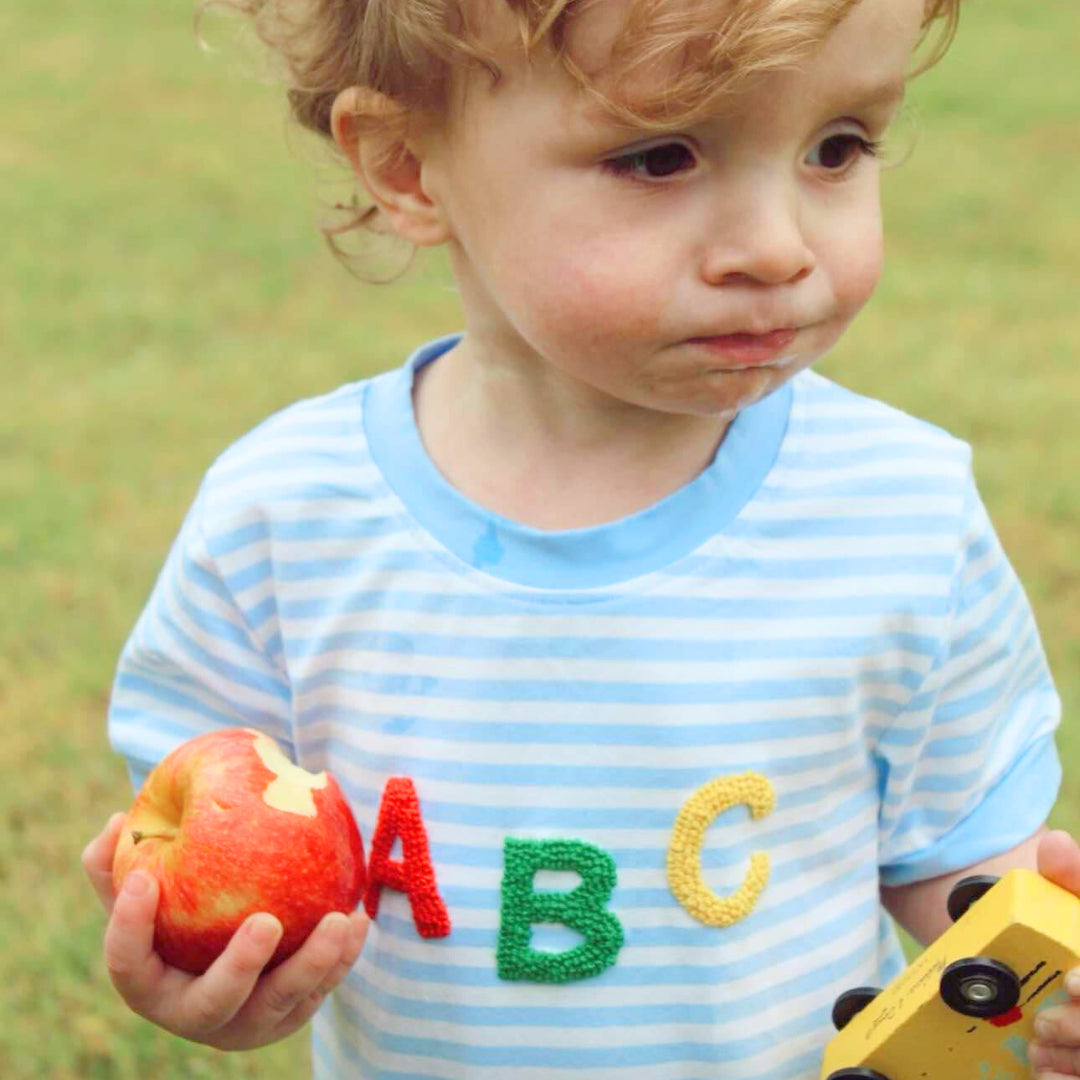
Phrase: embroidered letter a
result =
(399, 815)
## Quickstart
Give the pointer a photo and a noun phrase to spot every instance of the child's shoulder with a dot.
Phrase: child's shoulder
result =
(825, 410)
(313, 449)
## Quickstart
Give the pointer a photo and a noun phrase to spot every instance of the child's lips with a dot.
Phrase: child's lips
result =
(749, 350)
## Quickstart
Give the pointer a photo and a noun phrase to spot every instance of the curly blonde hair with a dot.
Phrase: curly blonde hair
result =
(406, 51)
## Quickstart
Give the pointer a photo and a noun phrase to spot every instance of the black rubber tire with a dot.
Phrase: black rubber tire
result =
(966, 891)
(850, 1003)
(986, 972)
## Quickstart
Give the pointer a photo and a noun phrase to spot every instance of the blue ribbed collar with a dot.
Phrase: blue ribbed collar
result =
(573, 558)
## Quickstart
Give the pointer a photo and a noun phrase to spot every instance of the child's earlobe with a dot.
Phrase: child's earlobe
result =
(367, 127)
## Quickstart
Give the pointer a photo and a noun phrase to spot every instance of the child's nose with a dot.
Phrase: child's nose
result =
(759, 242)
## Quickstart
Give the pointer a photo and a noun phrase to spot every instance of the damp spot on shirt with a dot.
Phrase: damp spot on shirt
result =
(488, 551)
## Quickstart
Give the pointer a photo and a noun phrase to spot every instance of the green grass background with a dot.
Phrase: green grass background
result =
(163, 287)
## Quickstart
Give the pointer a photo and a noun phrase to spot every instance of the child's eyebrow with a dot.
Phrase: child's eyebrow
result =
(866, 96)
(850, 98)
(853, 98)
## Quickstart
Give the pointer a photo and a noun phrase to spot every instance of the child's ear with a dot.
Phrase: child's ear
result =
(388, 167)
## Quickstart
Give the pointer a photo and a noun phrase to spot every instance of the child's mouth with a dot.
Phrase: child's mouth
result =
(749, 350)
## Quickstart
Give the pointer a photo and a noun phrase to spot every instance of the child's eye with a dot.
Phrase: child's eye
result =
(654, 163)
(837, 152)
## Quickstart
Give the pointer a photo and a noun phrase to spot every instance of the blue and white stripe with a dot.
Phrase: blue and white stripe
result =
(848, 626)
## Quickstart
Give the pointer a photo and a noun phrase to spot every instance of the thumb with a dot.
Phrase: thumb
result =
(1058, 859)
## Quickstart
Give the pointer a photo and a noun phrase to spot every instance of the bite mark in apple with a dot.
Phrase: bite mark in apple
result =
(291, 788)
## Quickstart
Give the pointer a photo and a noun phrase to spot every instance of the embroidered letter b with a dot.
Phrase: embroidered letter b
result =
(582, 910)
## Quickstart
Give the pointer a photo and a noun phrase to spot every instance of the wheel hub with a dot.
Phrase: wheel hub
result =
(978, 991)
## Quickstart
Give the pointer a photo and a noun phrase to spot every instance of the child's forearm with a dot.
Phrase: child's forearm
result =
(920, 908)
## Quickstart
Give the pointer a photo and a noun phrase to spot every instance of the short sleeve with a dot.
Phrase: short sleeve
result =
(969, 769)
(197, 660)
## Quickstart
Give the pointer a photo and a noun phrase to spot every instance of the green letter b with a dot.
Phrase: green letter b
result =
(582, 910)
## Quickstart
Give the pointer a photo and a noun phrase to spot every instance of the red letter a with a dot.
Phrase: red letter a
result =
(399, 815)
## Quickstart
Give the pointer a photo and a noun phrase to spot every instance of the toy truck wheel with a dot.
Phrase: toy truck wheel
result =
(851, 1002)
(856, 1074)
(979, 987)
(966, 891)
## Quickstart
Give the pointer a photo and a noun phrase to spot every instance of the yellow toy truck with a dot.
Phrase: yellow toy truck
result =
(964, 1009)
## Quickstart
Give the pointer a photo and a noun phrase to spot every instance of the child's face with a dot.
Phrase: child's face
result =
(608, 256)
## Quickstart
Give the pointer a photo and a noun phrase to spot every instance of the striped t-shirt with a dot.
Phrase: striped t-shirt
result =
(641, 781)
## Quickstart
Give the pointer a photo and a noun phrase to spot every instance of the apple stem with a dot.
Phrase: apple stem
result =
(136, 836)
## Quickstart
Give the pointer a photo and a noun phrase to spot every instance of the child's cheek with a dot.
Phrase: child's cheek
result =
(600, 297)
(859, 272)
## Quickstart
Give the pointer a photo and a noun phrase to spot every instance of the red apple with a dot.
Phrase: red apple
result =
(229, 826)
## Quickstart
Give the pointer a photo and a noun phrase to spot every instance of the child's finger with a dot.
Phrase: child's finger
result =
(134, 967)
(212, 1000)
(1059, 859)
(355, 943)
(1059, 1026)
(1048, 1060)
(307, 1006)
(303, 973)
(97, 858)
(360, 926)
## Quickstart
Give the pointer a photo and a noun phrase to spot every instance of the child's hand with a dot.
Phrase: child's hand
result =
(1055, 1051)
(233, 1006)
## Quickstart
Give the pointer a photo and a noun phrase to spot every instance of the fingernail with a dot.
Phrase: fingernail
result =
(263, 929)
(136, 883)
(336, 925)
(1072, 983)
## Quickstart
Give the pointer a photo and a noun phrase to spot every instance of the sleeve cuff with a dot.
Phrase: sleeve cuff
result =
(1012, 810)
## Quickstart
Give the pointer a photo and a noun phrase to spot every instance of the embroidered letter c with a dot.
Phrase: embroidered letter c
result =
(684, 853)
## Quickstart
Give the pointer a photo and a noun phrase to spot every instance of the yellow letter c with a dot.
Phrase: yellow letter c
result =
(684, 853)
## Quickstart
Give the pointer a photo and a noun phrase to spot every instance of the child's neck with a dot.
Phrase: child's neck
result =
(545, 451)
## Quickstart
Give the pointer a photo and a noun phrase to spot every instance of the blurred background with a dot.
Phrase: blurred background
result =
(164, 287)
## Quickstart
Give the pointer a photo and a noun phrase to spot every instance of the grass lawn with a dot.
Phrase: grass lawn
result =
(163, 288)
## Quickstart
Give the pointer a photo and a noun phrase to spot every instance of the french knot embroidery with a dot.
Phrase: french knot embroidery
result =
(582, 909)
(399, 815)
(685, 878)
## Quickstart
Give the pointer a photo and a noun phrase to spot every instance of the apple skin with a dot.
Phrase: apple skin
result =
(204, 825)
